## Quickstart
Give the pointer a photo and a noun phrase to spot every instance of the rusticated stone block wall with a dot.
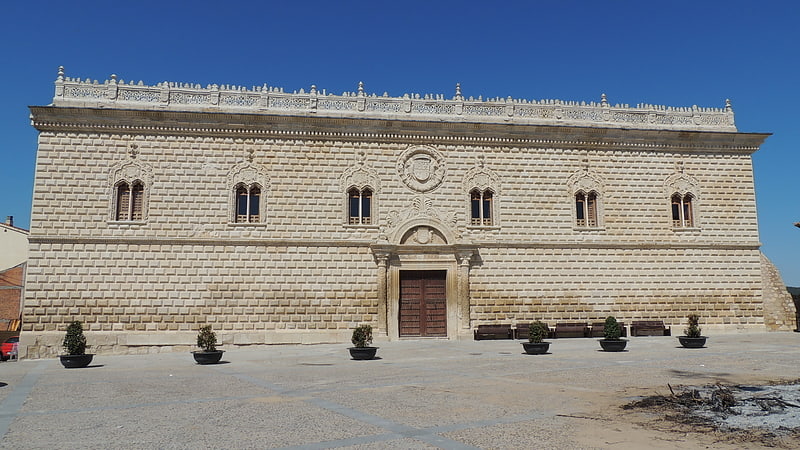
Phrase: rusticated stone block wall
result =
(589, 284)
(779, 307)
(305, 276)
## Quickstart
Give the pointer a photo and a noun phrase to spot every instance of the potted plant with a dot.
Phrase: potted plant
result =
(207, 341)
(362, 337)
(611, 341)
(75, 345)
(536, 334)
(693, 338)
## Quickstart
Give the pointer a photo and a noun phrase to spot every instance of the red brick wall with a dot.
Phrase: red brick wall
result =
(11, 283)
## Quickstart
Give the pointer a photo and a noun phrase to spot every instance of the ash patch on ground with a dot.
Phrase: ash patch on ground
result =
(768, 414)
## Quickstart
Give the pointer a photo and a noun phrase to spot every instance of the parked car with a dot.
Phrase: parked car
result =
(9, 347)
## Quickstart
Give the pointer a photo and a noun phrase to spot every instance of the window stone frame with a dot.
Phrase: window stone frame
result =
(484, 180)
(129, 171)
(587, 182)
(249, 175)
(681, 184)
(360, 176)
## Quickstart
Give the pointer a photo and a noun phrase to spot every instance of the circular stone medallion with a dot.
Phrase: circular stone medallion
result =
(421, 168)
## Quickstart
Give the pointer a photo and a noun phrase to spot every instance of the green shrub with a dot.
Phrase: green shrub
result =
(75, 341)
(207, 339)
(693, 330)
(362, 336)
(537, 332)
(612, 330)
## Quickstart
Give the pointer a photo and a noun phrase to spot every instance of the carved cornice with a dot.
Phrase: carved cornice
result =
(624, 245)
(118, 94)
(43, 239)
(268, 126)
(200, 241)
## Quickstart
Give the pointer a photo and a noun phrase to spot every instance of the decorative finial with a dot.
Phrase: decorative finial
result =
(458, 92)
(586, 163)
(313, 89)
(251, 154)
(60, 72)
(361, 89)
(134, 151)
(728, 106)
(113, 78)
(481, 161)
(361, 157)
(679, 166)
(603, 100)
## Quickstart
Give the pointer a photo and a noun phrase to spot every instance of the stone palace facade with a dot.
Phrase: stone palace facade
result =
(292, 217)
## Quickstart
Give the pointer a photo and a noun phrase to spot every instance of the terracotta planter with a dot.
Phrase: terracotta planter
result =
(692, 342)
(363, 352)
(536, 348)
(76, 361)
(208, 357)
(613, 346)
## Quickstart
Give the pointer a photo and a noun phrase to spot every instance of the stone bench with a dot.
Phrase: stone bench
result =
(571, 329)
(501, 331)
(649, 328)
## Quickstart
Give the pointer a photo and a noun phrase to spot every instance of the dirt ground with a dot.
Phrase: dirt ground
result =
(761, 414)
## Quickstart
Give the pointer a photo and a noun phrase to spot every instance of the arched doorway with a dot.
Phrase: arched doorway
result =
(423, 283)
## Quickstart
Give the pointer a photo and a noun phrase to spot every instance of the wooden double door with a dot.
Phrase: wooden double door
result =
(423, 303)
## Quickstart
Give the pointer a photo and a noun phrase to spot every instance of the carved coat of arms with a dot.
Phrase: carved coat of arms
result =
(421, 168)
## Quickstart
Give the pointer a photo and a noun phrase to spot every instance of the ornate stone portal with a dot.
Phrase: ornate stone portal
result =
(423, 247)
(422, 237)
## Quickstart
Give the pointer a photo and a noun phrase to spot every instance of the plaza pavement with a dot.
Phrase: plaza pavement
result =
(419, 394)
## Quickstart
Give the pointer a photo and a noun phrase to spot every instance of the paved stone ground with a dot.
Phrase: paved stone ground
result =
(419, 394)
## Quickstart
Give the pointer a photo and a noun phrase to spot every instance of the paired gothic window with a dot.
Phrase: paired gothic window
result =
(129, 201)
(359, 206)
(683, 191)
(129, 184)
(483, 190)
(248, 204)
(248, 188)
(682, 211)
(586, 209)
(481, 207)
(585, 192)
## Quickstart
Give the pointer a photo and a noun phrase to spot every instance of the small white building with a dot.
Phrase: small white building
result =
(14, 242)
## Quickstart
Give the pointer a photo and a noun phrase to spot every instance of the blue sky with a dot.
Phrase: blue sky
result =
(676, 53)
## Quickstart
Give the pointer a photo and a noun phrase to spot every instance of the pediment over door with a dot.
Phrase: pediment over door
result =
(423, 235)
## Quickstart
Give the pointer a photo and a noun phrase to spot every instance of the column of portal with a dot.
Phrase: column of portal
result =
(382, 311)
(463, 288)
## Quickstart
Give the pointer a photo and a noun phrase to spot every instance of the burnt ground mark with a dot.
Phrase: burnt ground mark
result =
(767, 414)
